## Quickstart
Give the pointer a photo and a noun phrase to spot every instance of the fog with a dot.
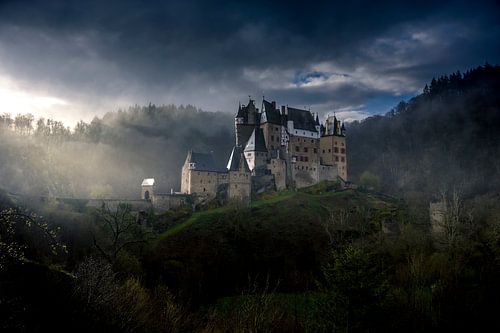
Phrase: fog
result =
(110, 156)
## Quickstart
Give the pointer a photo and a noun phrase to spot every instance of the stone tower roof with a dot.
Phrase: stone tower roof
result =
(237, 160)
(256, 142)
(249, 113)
(269, 113)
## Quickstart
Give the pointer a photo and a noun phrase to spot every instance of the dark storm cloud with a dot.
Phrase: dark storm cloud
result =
(321, 54)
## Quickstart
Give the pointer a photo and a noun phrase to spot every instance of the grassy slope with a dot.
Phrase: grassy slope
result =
(279, 235)
(290, 204)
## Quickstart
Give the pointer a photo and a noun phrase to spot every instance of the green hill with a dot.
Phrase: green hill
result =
(280, 236)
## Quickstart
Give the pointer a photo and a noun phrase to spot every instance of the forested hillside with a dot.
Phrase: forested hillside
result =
(109, 156)
(447, 137)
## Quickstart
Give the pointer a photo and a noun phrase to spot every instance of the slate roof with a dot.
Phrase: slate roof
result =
(256, 142)
(241, 112)
(249, 113)
(302, 119)
(203, 162)
(236, 159)
(270, 114)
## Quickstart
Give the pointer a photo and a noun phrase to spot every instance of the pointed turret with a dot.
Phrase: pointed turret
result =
(335, 126)
(237, 161)
(256, 142)
(255, 151)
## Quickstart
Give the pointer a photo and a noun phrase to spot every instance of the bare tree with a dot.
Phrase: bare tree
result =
(452, 219)
(117, 228)
(336, 225)
(95, 283)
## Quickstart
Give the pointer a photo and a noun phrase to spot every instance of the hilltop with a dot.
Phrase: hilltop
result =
(281, 235)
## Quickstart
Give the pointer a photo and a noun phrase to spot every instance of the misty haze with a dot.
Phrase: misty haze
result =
(190, 166)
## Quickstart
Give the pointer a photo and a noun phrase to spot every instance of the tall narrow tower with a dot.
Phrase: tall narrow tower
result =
(333, 149)
(245, 121)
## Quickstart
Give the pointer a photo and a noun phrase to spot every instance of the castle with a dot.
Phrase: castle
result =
(274, 149)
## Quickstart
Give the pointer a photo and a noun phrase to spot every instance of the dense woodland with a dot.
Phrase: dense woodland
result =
(321, 259)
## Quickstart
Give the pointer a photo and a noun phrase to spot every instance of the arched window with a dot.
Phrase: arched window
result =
(146, 195)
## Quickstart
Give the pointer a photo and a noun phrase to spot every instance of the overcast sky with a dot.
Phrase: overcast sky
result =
(75, 59)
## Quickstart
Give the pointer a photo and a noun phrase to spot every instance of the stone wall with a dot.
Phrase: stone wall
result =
(278, 170)
(164, 202)
(272, 135)
(240, 184)
(327, 172)
(205, 183)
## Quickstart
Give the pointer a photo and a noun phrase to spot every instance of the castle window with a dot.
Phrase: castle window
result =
(306, 158)
(329, 150)
(297, 148)
(342, 150)
(342, 143)
(201, 181)
(342, 159)
(323, 151)
(307, 168)
(276, 129)
(304, 133)
(204, 190)
(335, 142)
(302, 167)
(336, 149)
(336, 158)
(305, 149)
(315, 150)
(272, 137)
(312, 141)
